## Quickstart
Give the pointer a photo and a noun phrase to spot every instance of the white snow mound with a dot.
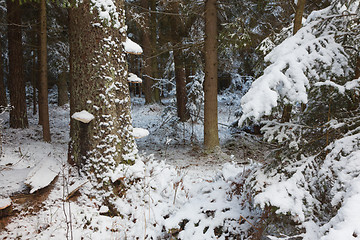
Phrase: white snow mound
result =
(132, 47)
(133, 78)
(5, 202)
(140, 132)
(42, 174)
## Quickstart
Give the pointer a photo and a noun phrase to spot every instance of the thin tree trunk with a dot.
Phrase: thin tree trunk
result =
(180, 77)
(43, 101)
(357, 67)
(34, 83)
(299, 15)
(355, 97)
(177, 32)
(3, 100)
(286, 115)
(149, 44)
(153, 40)
(38, 49)
(147, 52)
(16, 81)
(63, 97)
(34, 77)
(211, 137)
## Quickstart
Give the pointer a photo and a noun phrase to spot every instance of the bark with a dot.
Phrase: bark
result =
(355, 96)
(153, 37)
(63, 97)
(149, 44)
(43, 88)
(16, 81)
(181, 95)
(286, 115)
(38, 50)
(147, 52)
(34, 83)
(299, 15)
(177, 30)
(357, 67)
(98, 84)
(211, 137)
(3, 100)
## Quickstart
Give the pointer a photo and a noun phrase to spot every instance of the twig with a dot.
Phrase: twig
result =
(69, 230)
(252, 225)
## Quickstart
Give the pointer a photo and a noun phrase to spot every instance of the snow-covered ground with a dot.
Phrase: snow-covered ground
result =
(181, 187)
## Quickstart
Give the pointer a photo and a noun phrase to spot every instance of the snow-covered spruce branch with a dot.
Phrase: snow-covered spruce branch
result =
(294, 66)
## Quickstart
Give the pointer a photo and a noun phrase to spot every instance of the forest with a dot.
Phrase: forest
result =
(179, 119)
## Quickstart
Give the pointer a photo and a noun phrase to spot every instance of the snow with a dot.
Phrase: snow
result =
(179, 183)
(230, 171)
(133, 78)
(140, 132)
(5, 202)
(291, 71)
(108, 13)
(12, 180)
(173, 186)
(42, 174)
(103, 209)
(132, 47)
(75, 187)
(348, 85)
(83, 116)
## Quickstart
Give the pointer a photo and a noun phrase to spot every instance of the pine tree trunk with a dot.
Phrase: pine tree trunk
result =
(357, 67)
(180, 75)
(16, 81)
(299, 15)
(211, 137)
(63, 97)
(153, 40)
(3, 100)
(43, 88)
(38, 66)
(286, 114)
(149, 44)
(181, 95)
(98, 84)
(34, 83)
(147, 52)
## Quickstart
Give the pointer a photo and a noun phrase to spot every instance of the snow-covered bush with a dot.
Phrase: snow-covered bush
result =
(195, 94)
(164, 202)
(309, 182)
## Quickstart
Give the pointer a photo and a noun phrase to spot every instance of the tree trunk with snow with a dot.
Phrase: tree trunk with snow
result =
(43, 88)
(16, 81)
(211, 137)
(99, 85)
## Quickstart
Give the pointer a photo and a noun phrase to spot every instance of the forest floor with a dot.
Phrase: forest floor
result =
(181, 144)
(178, 144)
